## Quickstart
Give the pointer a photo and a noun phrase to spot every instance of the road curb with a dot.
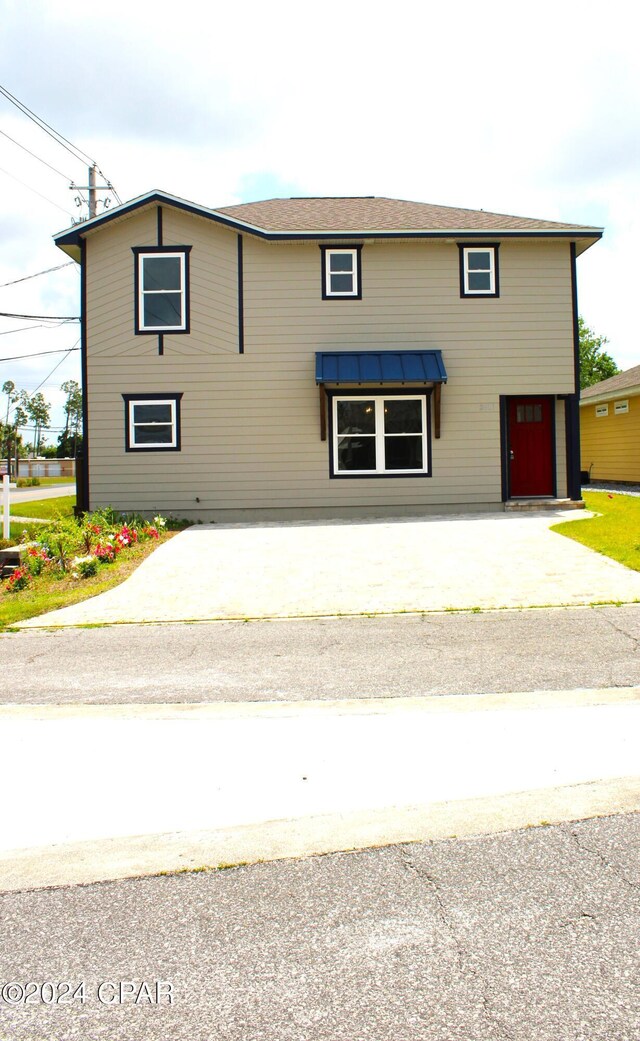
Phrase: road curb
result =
(84, 863)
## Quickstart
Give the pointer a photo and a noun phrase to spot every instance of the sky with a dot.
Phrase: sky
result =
(531, 110)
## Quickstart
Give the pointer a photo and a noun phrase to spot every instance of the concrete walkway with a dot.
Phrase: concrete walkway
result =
(140, 789)
(352, 567)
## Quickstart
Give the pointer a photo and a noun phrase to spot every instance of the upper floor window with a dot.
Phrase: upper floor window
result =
(162, 289)
(341, 273)
(479, 270)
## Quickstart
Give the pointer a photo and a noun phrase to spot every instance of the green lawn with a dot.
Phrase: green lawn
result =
(48, 509)
(51, 482)
(615, 532)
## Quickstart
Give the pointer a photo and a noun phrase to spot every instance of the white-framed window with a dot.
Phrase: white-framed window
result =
(162, 290)
(379, 435)
(340, 273)
(602, 410)
(479, 270)
(152, 422)
(621, 407)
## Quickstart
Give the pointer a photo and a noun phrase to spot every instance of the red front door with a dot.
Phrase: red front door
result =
(530, 447)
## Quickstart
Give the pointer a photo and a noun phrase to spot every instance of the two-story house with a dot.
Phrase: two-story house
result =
(318, 357)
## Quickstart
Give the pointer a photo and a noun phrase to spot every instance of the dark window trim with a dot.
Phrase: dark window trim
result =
(351, 247)
(160, 395)
(148, 250)
(346, 391)
(495, 246)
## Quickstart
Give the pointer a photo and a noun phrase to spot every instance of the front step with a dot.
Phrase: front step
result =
(532, 505)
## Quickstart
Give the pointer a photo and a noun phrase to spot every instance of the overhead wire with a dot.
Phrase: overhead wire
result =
(46, 317)
(35, 192)
(40, 160)
(78, 153)
(67, 352)
(39, 354)
(47, 271)
(73, 150)
(57, 365)
(25, 328)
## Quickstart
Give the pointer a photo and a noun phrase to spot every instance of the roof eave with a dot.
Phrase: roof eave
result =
(610, 395)
(584, 237)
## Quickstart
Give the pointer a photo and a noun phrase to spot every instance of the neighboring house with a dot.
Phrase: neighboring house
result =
(610, 428)
(326, 357)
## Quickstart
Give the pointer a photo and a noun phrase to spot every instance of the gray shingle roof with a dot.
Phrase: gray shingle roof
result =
(341, 218)
(369, 213)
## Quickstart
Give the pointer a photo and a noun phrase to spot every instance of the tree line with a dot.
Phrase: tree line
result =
(24, 410)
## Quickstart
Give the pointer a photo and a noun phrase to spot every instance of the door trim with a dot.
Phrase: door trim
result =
(504, 445)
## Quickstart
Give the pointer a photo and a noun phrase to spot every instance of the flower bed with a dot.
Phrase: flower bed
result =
(78, 549)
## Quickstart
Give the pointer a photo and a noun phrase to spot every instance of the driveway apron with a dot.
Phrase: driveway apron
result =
(351, 567)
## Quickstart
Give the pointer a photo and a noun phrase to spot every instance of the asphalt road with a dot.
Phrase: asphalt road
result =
(515, 937)
(401, 656)
(55, 491)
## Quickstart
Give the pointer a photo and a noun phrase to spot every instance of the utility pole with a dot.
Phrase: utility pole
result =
(93, 199)
(93, 188)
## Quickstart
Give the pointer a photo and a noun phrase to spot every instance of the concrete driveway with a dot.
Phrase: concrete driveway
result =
(315, 569)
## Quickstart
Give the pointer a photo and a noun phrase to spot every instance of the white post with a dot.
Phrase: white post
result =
(5, 506)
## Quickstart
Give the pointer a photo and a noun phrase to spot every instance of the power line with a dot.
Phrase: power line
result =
(28, 150)
(73, 150)
(47, 377)
(40, 354)
(46, 429)
(57, 365)
(117, 197)
(47, 317)
(35, 192)
(25, 328)
(59, 138)
(38, 273)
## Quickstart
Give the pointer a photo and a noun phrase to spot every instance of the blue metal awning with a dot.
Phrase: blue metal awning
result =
(380, 367)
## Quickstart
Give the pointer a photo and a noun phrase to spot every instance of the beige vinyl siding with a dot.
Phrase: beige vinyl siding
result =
(251, 424)
(610, 445)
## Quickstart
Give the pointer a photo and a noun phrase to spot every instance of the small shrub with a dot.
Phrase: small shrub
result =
(36, 566)
(19, 580)
(85, 567)
(28, 482)
(62, 539)
(7, 543)
(89, 532)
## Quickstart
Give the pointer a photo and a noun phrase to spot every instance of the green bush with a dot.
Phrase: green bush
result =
(85, 567)
(61, 540)
(28, 482)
